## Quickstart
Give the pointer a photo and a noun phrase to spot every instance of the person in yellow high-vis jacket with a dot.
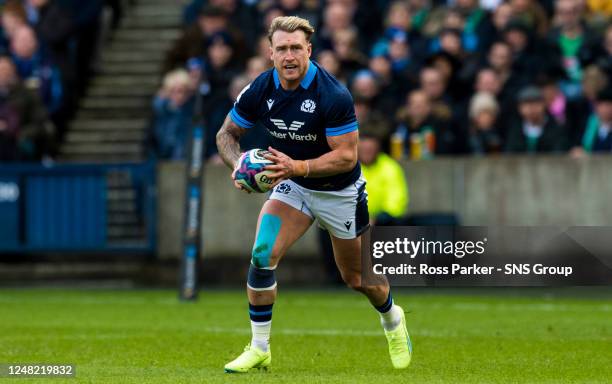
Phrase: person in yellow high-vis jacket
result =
(386, 184)
(603, 6)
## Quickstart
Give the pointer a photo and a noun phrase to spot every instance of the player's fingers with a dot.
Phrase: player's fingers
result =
(240, 187)
(273, 158)
(275, 152)
(278, 174)
(274, 167)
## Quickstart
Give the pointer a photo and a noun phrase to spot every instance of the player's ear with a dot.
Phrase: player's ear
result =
(309, 49)
(271, 51)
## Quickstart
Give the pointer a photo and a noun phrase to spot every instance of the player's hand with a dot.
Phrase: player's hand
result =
(236, 167)
(284, 167)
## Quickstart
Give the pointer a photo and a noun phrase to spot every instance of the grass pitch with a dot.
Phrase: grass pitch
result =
(318, 337)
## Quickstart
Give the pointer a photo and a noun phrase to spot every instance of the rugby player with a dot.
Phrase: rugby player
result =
(311, 119)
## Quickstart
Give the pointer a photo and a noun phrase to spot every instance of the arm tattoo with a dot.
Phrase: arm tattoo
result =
(228, 142)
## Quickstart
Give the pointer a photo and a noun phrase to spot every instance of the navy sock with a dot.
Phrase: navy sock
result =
(386, 306)
(260, 313)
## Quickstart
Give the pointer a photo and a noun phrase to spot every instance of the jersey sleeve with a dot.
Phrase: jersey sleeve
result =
(244, 112)
(340, 116)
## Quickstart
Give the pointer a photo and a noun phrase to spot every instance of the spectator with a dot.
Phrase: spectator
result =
(484, 136)
(298, 8)
(604, 59)
(36, 70)
(600, 6)
(387, 188)
(13, 17)
(255, 66)
(422, 126)
(594, 80)
(9, 118)
(500, 60)
(574, 43)
(463, 65)
(597, 137)
(478, 28)
(344, 43)
(220, 66)
(527, 54)
(263, 49)
(330, 62)
(567, 113)
(244, 16)
(23, 119)
(434, 85)
(56, 30)
(393, 84)
(336, 17)
(372, 122)
(534, 131)
(173, 107)
(366, 85)
(399, 28)
(86, 22)
(270, 14)
(194, 41)
(488, 81)
(532, 15)
(501, 17)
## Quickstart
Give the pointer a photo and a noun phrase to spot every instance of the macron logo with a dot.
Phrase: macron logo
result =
(280, 124)
(270, 103)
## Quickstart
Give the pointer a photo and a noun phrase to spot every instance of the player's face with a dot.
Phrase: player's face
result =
(290, 52)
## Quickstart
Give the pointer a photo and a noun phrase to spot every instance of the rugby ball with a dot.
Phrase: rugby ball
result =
(251, 174)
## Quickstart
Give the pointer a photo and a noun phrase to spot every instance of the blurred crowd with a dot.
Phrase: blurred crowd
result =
(48, 52)
(428, 77)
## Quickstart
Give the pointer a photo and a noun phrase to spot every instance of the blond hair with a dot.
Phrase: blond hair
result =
(483, 102)
(290, 24)
(177, 77)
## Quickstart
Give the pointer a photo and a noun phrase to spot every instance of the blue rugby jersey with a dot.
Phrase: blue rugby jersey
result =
(299, 121)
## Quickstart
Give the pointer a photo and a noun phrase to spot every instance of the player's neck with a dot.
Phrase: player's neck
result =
(290, 85)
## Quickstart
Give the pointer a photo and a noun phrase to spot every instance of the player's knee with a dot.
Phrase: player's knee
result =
(263, 254)
(261, 279)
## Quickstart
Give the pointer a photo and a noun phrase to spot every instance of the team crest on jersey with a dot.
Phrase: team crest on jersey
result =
(308, 106)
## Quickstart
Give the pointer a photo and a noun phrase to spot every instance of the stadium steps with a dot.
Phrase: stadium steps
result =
(126, 81)
(160, 21)
(103, 150)
(121, 91)
(124, 220)
(168, 9)
(144, 34)
(121, 136)
(112, 122)
(131, 68)
(113, 102)
(116, 56)
(102, 126)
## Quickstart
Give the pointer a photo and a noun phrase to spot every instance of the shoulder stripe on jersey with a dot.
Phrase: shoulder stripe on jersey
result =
(341, 130)
(239, 120)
